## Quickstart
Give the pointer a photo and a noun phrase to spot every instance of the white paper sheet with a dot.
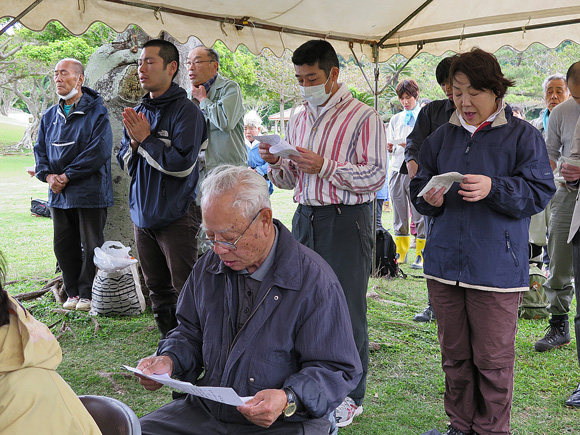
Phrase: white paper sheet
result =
(573, 162)
(442, 180)
(279, 147)
(217, 394)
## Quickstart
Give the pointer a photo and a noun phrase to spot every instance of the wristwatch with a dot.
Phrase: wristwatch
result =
(291, 406)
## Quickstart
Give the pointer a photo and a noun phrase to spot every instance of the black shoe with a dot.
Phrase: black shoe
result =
(165, 319)
(574, 400)
(558, 335)
(426, 316)
(453, 431)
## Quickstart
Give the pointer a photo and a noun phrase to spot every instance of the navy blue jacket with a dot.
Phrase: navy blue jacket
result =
(289, 340)
(78, 145)
(430, 118)
(164, 170)
(484, 244)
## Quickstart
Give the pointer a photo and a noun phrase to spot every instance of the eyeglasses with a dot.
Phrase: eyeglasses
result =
(196, 63)
(230, 246)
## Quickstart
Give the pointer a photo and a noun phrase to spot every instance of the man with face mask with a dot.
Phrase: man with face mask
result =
(342, 164)
(73, 155)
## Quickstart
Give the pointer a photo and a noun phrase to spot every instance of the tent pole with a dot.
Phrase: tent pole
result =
(20, 15)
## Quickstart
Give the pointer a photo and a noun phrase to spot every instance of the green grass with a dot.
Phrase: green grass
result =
(405, 383)
(10, 134)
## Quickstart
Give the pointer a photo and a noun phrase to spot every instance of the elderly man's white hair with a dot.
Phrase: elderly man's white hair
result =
(557, 76)
(251, 189)
(252, 119)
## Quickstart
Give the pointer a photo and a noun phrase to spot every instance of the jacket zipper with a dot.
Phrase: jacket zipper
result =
(249, 318)
(509, 248)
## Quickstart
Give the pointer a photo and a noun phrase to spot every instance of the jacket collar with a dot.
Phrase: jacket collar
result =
(286, 272)
(500, 119)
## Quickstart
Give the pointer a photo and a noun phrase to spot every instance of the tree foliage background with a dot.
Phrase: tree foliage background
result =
(268, 84)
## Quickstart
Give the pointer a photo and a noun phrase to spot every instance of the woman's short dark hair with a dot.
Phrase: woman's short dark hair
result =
(316, 51)
(483, 71)
(407, 86)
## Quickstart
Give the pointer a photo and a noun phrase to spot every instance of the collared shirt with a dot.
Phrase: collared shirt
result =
(207, 85)
(350, 136)
(397, 131)
(248, 285)
(72, 108)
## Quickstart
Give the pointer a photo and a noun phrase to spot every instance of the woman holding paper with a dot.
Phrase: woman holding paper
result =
(476, 257)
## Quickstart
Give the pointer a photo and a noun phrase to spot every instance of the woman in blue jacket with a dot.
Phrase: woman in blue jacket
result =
(476, 257)
(252, 127)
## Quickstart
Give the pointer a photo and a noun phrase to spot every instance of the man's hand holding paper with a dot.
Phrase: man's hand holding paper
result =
(278, 146)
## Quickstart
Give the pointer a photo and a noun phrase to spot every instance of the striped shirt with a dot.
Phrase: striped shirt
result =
(350, 136)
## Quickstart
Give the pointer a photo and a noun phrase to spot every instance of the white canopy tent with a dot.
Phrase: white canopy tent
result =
(375, 28)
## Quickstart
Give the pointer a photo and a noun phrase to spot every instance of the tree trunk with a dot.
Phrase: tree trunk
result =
(282, 122)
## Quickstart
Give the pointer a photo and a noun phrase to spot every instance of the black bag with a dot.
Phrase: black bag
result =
(38, 207)
(385, 261)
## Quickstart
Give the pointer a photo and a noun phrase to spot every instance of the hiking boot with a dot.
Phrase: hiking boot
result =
(453, 431)
(574, 400)
(346, 411)
(71, 303)
(426, 316)
(165, 319)
(83, 304)
(558, 335)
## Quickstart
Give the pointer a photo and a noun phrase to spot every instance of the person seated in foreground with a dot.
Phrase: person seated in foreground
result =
(34, 399)
(259, 313)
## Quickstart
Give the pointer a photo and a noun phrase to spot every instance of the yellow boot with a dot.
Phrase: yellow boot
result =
(418, 264)
(402, 243)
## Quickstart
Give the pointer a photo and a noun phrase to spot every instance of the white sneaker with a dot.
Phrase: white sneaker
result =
(83, 304)
(71, 303)
(346, 411)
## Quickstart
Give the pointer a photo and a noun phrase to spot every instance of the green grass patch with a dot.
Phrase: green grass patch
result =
(405, 384)
(10, 134)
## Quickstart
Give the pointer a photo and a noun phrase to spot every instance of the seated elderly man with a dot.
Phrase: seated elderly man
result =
(260, 314)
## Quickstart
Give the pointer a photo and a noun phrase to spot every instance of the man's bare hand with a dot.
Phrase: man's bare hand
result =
(308, 161)
(390, 147)
(264, 149)
(435, 197)
(137, 126)
(570, 173)
(55, 184)
(412, 168)
(475, 187)
(154, 365)
(199, 93)
(265, 407)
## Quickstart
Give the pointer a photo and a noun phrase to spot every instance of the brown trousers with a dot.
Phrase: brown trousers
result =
(477, 331)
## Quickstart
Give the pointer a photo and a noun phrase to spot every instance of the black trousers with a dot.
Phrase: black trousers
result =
(167, 256)
(576, 261)
(342, 235)
(77, 232)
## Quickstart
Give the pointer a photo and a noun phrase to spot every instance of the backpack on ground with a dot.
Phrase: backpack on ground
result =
(385, 260)
(534, 302)
(38, 207)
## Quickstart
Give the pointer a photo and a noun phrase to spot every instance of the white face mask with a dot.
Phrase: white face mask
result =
(316, 95)
(74, 91)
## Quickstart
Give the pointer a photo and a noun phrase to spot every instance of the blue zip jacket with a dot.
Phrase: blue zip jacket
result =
(164, 170)
(289, 340)
(78, 145)
(484, 244)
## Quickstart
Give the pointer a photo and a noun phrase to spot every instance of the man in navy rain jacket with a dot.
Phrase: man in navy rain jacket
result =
(159, 150)
(73, 155)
